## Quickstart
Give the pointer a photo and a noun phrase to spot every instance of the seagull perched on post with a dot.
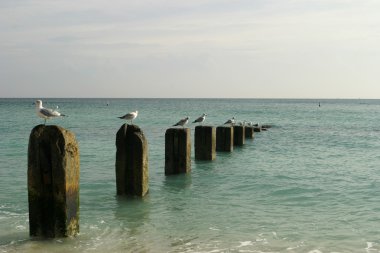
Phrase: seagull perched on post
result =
(46, 113)
(200, 119)
(230, 121)
(182, 122)
(129, 116)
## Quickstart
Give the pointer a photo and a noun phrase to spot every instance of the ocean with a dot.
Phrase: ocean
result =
(311, 183)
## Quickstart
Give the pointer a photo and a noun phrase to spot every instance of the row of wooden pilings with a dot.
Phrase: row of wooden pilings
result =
(53, 168)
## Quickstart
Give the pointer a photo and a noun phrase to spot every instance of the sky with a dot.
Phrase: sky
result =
(190, 49)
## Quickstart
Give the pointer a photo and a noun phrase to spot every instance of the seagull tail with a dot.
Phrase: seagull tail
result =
(63, 115)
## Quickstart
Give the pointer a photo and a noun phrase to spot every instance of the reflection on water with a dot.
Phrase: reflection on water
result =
(132, 213)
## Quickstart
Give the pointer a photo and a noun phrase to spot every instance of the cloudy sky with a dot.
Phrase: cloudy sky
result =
(197, 48)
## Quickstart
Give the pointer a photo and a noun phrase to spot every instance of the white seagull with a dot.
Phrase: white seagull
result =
(200, 119)
(182, 122)
(230, 121)
(129, 116)
(46, 113)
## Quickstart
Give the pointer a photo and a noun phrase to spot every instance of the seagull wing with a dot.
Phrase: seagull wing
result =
(48, 112)
(130, 115)
(198, 120)
(180, 123)
(126, 116)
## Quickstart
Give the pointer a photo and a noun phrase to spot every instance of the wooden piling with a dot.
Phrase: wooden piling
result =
(257, 129)
(132, 175)
(239, 135)
(177, 151)
(225, 138)
(205, 143)
(249, 133)
(53, 182)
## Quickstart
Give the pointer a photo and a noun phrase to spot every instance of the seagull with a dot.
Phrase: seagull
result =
(200, 119)
(242, 123)
(230, 121)
(182, 122)
(129, 116)
(46, 113)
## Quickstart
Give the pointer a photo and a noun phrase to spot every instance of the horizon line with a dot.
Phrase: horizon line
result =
(293, 98)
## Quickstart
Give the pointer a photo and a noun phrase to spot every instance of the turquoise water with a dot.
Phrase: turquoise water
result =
(309, 184)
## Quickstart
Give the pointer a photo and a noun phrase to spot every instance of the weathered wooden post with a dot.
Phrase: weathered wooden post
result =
(177, 151)
(239, 136)
(249, 134)
(225, 138)
(53, 182)
(205, 142)
(132, 175)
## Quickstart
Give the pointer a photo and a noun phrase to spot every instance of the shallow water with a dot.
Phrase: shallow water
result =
(309, 184)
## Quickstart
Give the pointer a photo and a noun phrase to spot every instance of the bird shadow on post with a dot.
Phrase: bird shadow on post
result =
(132, 175)
(53, 182)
